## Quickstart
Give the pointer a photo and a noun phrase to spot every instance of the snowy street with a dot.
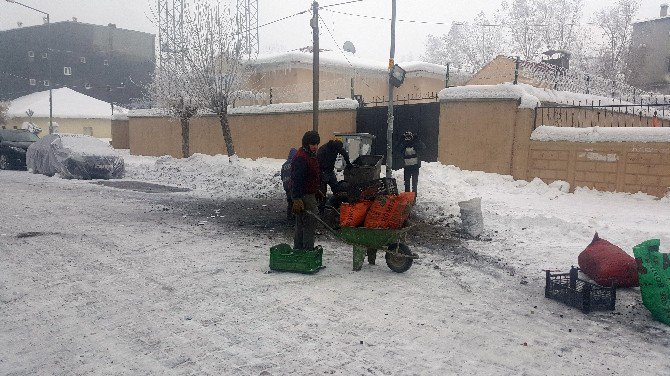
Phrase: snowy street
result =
(103, 280)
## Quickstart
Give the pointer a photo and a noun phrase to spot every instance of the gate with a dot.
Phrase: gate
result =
(422, 119)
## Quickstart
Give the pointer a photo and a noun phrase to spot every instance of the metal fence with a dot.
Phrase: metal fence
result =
(595, 114)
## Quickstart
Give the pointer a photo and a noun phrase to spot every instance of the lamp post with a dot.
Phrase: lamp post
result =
(49, 57)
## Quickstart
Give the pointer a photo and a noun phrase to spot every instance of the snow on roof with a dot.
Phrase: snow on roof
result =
(327, 105)
(331, 59)
(67, 103)
(601, 134)
(529, 95)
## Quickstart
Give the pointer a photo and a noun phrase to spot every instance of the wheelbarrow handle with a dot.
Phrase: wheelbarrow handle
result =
(332, 230)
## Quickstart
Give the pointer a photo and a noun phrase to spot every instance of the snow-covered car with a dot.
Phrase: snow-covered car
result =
(13, 146)
(74, 156)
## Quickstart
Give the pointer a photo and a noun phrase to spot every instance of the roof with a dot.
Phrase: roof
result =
(67, 103)
(345, 61)
(75, 24)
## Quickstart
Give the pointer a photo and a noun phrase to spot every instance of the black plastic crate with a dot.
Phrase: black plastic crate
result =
(586, 296)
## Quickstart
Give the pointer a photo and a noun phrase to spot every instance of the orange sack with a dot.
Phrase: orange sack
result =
(353, 215)
(608, 264)
(390, 211)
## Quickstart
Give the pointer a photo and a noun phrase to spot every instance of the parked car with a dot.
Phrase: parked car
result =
(13, 146)
(74, 156)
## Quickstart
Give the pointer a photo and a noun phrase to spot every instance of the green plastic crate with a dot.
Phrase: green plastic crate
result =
(284, 258)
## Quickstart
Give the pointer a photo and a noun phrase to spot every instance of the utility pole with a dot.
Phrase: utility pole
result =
(389, 130)
(315, 66)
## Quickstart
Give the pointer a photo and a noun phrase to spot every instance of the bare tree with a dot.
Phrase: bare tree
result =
(172, 87)
(216, 57)
(526, 21)
(616, 24)
(467, 45)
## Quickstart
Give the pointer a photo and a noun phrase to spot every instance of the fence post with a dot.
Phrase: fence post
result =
(353, 95)
(270, 94)
(516, 71)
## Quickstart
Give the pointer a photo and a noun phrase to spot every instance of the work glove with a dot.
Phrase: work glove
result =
(298, 206)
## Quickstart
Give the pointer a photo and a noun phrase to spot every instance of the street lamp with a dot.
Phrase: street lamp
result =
(49, 57)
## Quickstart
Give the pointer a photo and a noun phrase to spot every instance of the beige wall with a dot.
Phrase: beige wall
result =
(621, 166)
(255, 136)
(494, 136)
(120, 137)
(154, 136)
(479, 135)
(101, 127)
(295, 85)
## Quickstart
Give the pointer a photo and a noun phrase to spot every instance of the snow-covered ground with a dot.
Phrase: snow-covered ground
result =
(103, 280)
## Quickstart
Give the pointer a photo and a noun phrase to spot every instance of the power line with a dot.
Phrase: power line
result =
(334, 5)
(387, 19)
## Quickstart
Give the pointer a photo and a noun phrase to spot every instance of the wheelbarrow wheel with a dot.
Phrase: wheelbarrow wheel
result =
(396, 260)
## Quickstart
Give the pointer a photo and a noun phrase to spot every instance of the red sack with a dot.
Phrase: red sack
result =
(389, 211)
(608, 264)
(353, 215)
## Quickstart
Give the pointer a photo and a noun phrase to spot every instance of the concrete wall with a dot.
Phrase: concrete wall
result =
(101, 128)
(608, 166)
(120, 136)
(494, 136)
(255, 136)
(480, 135)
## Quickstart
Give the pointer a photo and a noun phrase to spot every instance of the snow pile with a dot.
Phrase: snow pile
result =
(67, 103)
(501, 91)
(601, 134)
(530, 96)
(339, 61)
(327, 105)
(213, 176)
(334, 104)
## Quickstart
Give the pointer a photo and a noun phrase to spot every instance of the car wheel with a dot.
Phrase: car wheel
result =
(4, 162)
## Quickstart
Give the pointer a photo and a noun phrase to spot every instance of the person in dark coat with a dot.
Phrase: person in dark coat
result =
(411, 148)
(327, 155)
(305, 184)
(286, 182)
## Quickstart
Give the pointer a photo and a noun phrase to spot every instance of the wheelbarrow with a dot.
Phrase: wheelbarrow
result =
(368, 241)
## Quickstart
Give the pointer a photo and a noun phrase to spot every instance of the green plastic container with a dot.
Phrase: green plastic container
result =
(653, 270)
(284, 258)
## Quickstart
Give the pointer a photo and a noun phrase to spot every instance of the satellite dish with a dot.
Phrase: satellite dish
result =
(349, 47)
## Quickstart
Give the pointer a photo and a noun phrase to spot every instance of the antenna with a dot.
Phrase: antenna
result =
(349, 47)
(247, 24)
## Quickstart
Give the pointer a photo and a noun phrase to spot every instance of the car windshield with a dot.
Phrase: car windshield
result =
(17, 136)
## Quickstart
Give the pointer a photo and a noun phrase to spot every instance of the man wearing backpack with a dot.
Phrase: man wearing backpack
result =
(411, 151)
(286, 182)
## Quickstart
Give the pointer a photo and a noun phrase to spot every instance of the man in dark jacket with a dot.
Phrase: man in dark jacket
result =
(305, 181)
(411, 149)
(327, 155)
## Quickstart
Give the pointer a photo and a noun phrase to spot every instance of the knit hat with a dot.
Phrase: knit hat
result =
(310, 138)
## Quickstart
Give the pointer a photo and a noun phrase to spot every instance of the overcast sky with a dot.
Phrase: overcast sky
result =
(370, 36)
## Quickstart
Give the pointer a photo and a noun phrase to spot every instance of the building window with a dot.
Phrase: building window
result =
(106, 62)
(45, 55)
(46, 83)
(67, 71)
(31, 53)
(82, 60)
(33, 82)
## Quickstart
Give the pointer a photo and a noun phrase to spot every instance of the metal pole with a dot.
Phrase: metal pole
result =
(51, 101)
(315, 66)
(389, 130)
